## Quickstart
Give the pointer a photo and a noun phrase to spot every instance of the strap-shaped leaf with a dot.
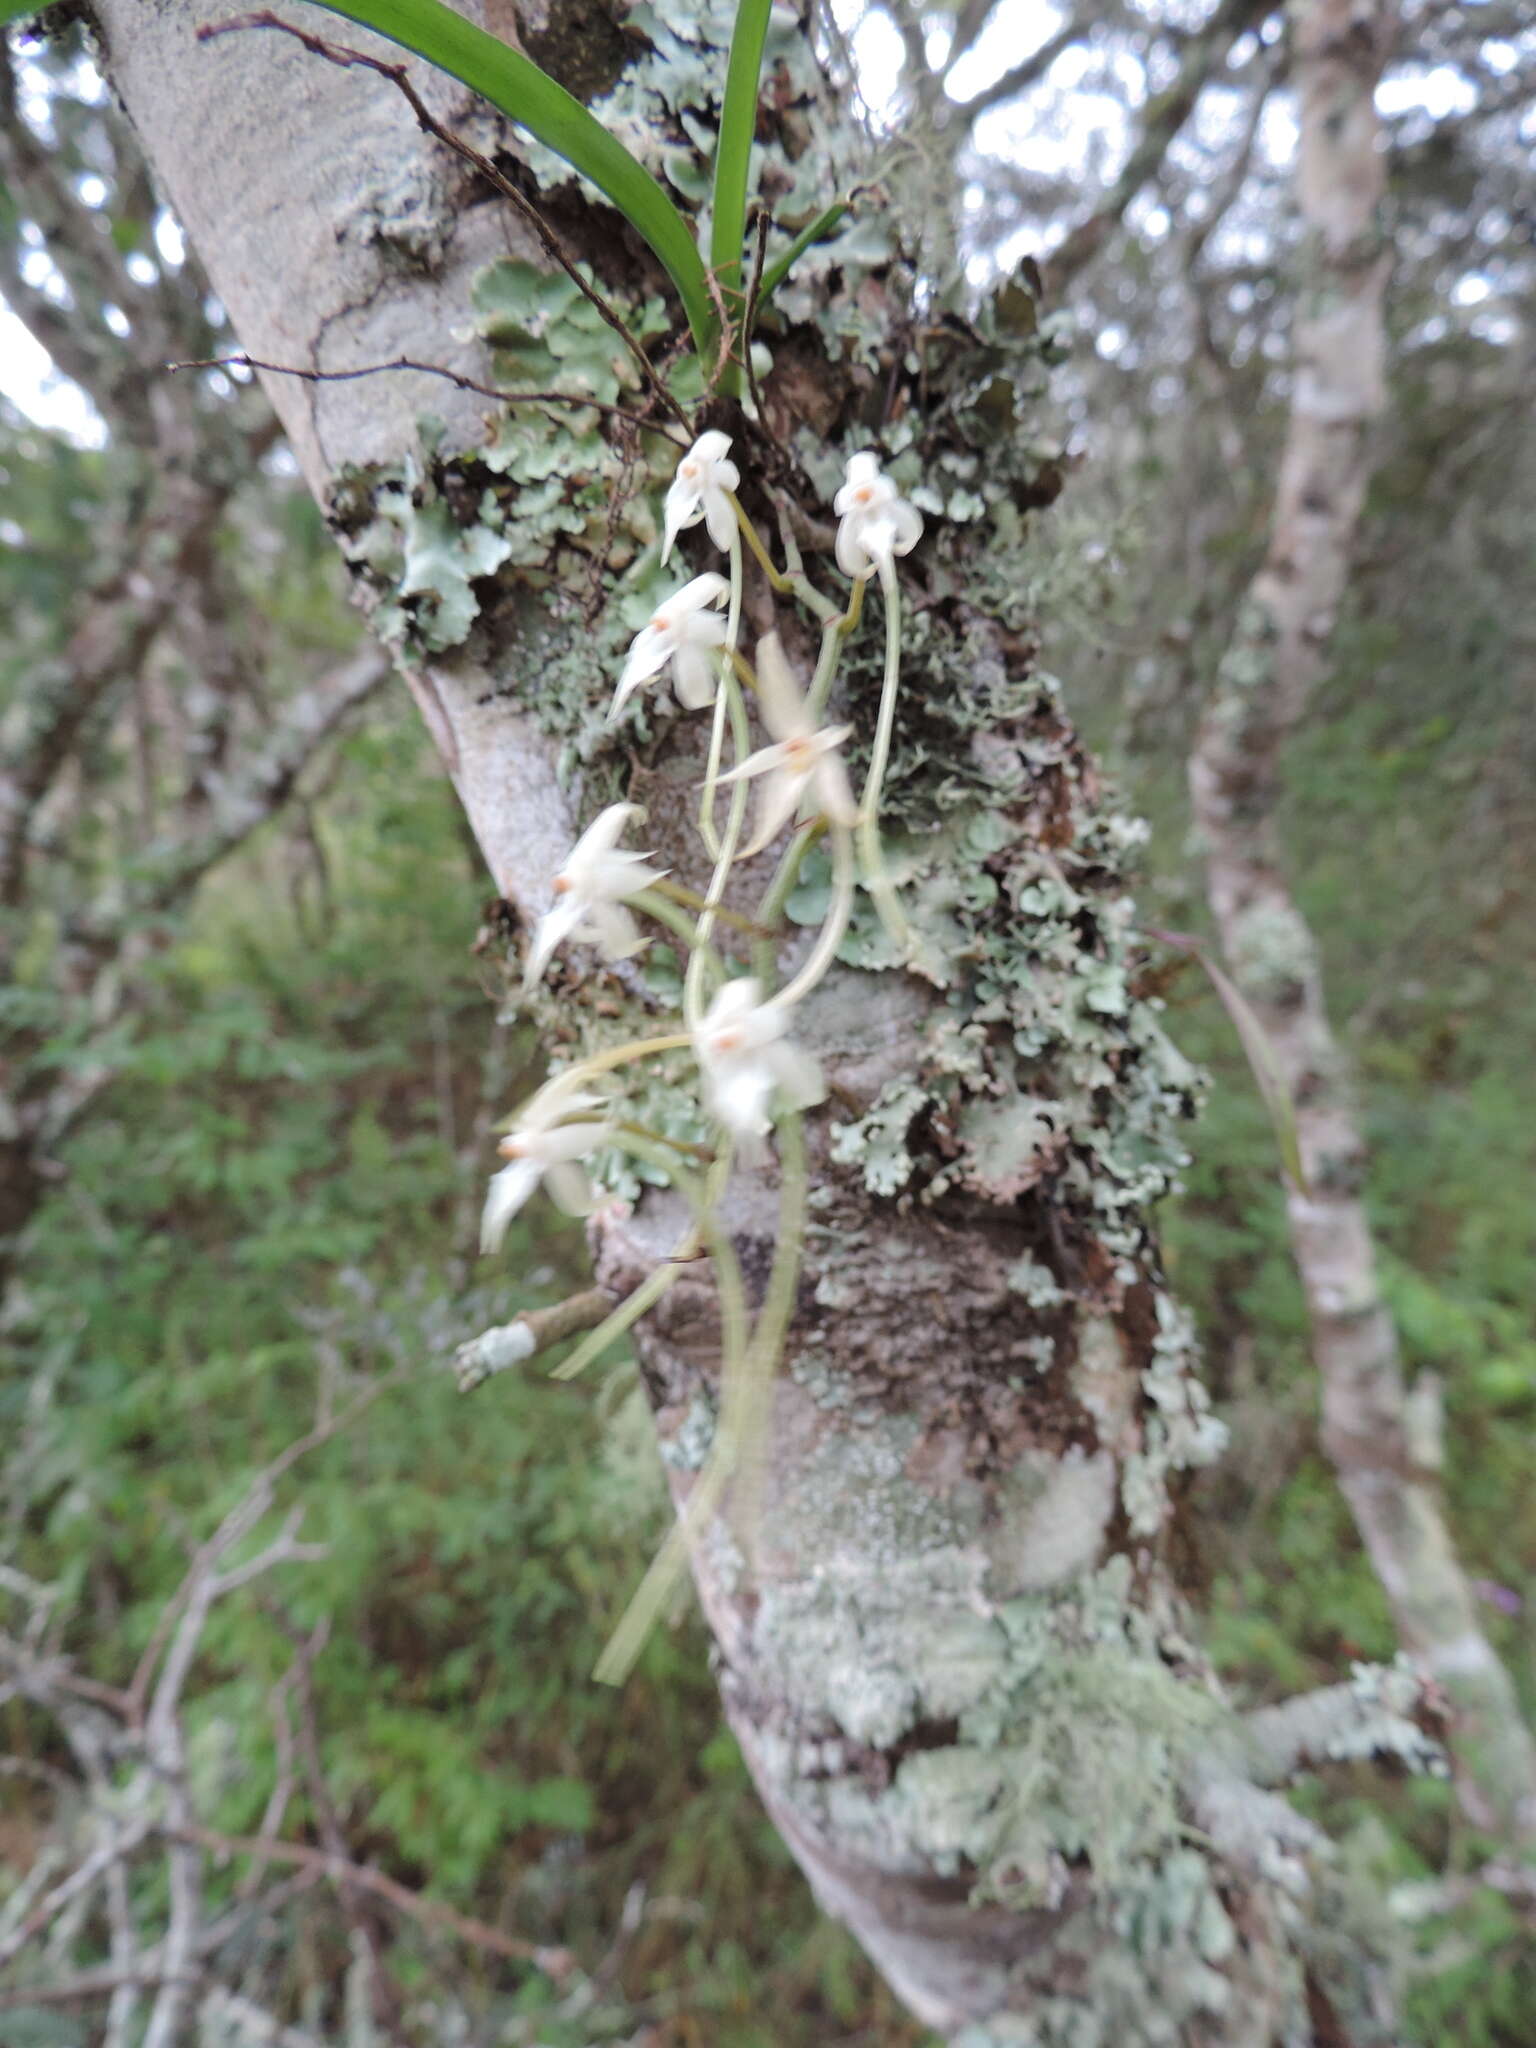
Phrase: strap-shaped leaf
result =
(733, 153)
(530, 97)
(818, 231)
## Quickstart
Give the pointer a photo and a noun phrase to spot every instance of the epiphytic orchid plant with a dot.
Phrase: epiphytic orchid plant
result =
(754, 1079)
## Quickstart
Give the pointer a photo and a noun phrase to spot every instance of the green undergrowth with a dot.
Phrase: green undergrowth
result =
(268, 1211)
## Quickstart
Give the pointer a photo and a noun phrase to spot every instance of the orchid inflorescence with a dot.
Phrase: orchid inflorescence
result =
(753, 1077)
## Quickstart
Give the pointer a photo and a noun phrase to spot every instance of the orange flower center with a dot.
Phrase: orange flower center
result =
(512, 1147)
(661, 623)
(689, 470)
(864, 493)
(726, 1041)
(799, 751)
(563, 885)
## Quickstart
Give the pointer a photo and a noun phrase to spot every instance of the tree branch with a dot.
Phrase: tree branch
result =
(454, 377)
(1165, 116)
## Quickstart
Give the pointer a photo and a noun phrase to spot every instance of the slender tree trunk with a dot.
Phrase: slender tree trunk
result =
(1387, 1462)
(954, 1646)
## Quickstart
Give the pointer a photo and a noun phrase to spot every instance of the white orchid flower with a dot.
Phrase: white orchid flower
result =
(699, 491)
(685, 631)
(591, 891)
(874, 522)
(801, 763)
(555, 1132)
(745, 1057)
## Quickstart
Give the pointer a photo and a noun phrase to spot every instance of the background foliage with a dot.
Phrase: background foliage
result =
(273, 1202)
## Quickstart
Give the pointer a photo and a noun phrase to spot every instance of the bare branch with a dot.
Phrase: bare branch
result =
(121, 619)
(86, 1874)
(244, 803)
(236, 1525)
(1166, 115)
(534, 1331)
(1027, 72)
(555, 1962)
(543, 398)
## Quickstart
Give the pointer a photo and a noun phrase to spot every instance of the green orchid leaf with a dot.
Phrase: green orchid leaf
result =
(818, 231)
(733, 153)
(532, 99)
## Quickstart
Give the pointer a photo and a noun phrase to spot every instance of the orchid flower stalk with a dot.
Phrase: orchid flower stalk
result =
(754, 1077)
(693, 980)
(875, 525)
(707, 831)
(746, 1390)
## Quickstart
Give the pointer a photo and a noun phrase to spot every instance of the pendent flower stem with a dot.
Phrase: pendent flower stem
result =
(705, 1154)
(776, 895)
(781, 583)
(830, 937)
(629, 1311)
(656, 1588)
(876, 876)
(672, 915)
(693, 981)
(690, 899)
(701, 1199)
(603, 1063)
(832, 639)
(707, 830)
(790, 582)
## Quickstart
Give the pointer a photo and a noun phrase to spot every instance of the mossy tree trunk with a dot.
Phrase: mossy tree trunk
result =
(955, 1645)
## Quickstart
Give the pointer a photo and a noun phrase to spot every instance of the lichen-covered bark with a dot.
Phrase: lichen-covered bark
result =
(953, 1643)
(1387, 1467)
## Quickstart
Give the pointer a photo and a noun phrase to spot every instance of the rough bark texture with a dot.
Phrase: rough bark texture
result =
(1387, 1459)
(954, 1647)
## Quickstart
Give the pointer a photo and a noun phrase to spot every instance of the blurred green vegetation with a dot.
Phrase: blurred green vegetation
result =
(268, 1210)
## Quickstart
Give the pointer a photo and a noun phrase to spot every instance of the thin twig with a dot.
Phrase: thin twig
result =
(555, 1962)
(240, 1520)
(398, 75)
(571, 398)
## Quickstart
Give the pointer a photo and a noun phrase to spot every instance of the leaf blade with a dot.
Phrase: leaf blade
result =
(733, 153)
(528, 96)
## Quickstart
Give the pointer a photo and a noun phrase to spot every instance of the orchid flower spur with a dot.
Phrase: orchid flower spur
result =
(591, 891)
(745, 1056)
(875, 524)
(701, 490)
(556, 1131)
(685, 630)
(802, 761)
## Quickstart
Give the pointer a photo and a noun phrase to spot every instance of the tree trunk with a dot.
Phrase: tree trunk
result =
(1384, 1447)
(955, 1646)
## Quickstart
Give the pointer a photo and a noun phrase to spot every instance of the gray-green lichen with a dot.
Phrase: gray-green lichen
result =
(1030, 1736)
